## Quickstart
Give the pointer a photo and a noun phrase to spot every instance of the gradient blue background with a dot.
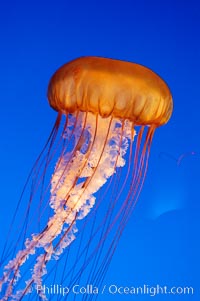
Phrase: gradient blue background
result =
(161, 242)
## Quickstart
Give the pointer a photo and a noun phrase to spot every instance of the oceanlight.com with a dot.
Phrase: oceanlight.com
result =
(113, 289)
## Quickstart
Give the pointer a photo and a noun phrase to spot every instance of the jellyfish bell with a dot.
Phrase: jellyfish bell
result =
(101, 104)
(111, 88)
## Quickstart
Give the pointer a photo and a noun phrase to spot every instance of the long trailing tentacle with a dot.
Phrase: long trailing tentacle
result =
(91, 150)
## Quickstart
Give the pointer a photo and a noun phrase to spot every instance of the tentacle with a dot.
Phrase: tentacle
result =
(91, 150)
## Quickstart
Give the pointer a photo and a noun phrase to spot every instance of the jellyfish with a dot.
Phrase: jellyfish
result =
(81, 197)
